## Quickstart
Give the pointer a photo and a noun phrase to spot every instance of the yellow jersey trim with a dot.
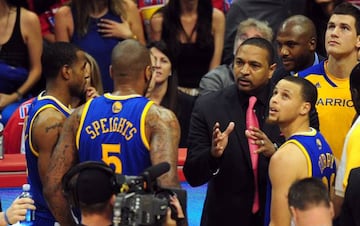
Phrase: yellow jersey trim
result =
(142, 125)
(306, 154)
(33, 150)
(116, 97)
(81, 124)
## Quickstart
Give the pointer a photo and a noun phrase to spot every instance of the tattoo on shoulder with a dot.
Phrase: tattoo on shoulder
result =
(54, 126)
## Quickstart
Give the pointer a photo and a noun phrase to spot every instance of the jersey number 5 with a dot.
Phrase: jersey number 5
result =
(107, 150)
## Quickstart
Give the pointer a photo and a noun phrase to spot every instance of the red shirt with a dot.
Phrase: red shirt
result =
(14, 128)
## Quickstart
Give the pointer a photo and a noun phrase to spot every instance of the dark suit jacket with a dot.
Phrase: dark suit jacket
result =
(350, 211)
(231, 191)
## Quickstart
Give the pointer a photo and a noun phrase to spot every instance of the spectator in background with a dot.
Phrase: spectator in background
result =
(135, 133)
(194, 34)
(310, 204)
(165, 92)
(350, 158)
(96, 26)
(350, 210)
(272, 11)
(20, 52)
(319, 11)
(305, 152)
(16, 212)
(223, 76)
(46, 10)
(13, 134)
(218, 152)
(331, 77)
(296, 44)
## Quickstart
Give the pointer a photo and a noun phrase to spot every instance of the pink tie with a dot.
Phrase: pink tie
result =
(251, 120)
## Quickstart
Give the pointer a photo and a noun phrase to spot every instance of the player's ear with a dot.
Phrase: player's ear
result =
(305, 108)
(66, 71)
(111, 71)
(148, 73)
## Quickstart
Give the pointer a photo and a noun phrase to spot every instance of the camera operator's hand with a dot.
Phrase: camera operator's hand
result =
(180, 218)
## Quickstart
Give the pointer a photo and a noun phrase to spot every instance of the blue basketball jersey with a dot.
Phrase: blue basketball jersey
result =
(320, 161)
(112, 130)
(43, 216)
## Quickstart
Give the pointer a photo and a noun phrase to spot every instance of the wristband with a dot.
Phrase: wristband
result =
(6, 218)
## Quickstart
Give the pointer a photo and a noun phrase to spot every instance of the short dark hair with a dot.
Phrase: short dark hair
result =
(347, 8)
(55, 56)
(263, 44)
(308, 192)
(308, 90)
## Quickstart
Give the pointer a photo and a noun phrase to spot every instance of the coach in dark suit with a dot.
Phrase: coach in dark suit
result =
(350, 210)
(222, 158)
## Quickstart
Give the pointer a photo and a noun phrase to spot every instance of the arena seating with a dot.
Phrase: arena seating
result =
(13, 169)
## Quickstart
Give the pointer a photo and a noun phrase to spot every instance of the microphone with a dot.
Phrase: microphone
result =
(153, 172)
(145, 181)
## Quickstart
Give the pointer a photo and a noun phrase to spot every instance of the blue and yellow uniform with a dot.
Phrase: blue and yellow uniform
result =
(334, 105)
(43, 216)
(112, 130)
(320, 161)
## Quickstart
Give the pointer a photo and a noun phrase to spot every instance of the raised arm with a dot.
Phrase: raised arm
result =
(30, 26)
(135, 21)
(205, 148)
(64, 26)
(218, 27)
(163, 132)
(156, 22)
(62, 159)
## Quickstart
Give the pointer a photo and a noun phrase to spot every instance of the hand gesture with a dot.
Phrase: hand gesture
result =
(112, 29)
(258, 137)
(91, 93)
(220, 139)
(6, 99)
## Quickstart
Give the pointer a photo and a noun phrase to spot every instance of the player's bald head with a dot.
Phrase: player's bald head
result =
(299, 24)
(129, 57)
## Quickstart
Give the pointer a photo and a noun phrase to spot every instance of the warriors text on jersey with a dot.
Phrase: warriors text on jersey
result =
(334, 105)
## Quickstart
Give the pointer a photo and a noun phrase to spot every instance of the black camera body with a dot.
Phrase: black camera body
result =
(139, 209)
(141, 201)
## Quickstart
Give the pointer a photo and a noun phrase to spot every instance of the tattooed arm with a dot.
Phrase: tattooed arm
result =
(163, 132)
(45, 133)
(62, 159)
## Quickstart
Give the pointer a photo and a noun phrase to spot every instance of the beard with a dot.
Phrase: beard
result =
(272, 121)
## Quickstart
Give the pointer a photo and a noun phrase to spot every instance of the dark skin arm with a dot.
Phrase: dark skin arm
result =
(163, 133)
(62, 159)
(45, 133)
